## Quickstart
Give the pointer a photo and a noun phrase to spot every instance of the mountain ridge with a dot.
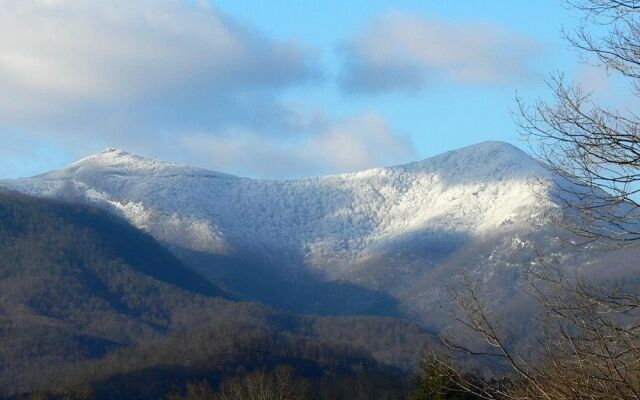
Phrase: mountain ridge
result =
(383, 229)
(478, 164)
(116, 157)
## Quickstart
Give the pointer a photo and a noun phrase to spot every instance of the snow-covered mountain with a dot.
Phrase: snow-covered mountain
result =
(396, 231)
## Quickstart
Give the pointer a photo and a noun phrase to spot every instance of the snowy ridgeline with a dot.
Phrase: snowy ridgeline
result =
(478, 190)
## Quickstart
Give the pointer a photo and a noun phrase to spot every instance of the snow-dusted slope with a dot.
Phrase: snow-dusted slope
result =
(331, 219)
(413, 216)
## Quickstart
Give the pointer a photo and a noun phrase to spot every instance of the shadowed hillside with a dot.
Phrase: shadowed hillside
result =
(77, 283)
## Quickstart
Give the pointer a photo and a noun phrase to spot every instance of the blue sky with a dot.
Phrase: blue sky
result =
(272, 89)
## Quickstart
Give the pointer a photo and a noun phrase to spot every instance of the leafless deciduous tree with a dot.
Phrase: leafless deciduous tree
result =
(261, 385)
(279, 384)
(594, 150)
(589, 335)
(589, 343)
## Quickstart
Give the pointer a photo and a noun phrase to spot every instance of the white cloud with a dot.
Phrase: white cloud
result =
(64, 53)
(352, 144)
(357, 143)
(404, 51)
(144, 75)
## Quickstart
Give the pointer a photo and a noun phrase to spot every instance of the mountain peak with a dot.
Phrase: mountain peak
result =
(120, 162)
(114, 160)
(485, 161)
(499, 149)
(488, 144)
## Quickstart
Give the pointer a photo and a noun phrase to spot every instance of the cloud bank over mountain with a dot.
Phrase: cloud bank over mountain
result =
(182, 80)
(342, 146)
(177, 78)
(402, 51)
(59, 53)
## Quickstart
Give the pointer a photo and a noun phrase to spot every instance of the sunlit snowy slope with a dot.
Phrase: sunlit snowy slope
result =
(396, 230)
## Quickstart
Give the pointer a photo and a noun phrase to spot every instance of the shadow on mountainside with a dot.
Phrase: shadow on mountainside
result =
(250, 278)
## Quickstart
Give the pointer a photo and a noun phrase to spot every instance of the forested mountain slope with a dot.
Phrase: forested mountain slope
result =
(78, 283)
